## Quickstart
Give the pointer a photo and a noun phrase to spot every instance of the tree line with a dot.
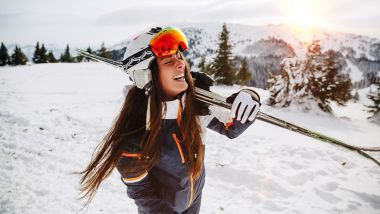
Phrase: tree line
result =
(225, 68)
(316, 80)
(42, 55)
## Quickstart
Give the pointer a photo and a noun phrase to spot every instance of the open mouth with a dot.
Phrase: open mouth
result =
(179, 77)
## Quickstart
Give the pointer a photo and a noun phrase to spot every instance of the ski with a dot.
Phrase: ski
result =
(101, 59)
(218, 100)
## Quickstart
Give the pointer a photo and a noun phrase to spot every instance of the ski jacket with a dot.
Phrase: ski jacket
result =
(167, 188)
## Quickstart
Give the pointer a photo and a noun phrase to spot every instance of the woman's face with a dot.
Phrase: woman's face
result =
(171, 72)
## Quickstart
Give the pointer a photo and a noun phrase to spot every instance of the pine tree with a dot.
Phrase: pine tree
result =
(18, 57)
(102, 52)
(222, 67)
(79, 58)
(4, 57)
(314, 82)
(66, 56)
(244, 75)
(374, 96)
(88, 50)
(356, 96)
(51, 58)
(202, 64)
(43, 56)
(327, 83)
(36, 55)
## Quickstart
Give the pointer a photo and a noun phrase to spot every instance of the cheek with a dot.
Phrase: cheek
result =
(164, 77)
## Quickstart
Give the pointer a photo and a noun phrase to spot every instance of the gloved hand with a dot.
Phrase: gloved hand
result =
(245, 106)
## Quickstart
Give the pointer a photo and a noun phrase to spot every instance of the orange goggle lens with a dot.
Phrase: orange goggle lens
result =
(168, 41)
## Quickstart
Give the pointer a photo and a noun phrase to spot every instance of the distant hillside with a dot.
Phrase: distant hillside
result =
(265, 47)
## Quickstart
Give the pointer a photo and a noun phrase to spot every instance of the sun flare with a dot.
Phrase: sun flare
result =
(301, 14)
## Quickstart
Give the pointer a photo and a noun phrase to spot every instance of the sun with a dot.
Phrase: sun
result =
(301, 15)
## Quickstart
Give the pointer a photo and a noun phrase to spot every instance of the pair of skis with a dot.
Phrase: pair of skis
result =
(218, 100)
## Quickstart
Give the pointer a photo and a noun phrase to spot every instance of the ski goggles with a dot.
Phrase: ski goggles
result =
(168, 41)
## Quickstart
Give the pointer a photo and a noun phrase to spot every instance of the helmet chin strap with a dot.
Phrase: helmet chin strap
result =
(147, 120)
(147, 88)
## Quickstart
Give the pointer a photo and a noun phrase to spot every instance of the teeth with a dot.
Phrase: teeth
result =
(178, 76)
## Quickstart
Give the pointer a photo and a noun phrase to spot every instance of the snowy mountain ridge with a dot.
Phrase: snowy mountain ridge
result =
(266, 47)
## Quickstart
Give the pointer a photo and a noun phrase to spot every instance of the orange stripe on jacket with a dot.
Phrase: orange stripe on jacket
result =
(179, 147)
(135, 179)
(126, 154)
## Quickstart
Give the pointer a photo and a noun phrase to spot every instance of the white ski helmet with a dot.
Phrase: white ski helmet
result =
(143, 49)
(138, 57)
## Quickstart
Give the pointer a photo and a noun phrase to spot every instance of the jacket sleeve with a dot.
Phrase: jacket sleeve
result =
(140, 186)
(220, 120)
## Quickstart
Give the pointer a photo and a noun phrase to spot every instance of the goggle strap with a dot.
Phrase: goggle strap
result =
(137, 58)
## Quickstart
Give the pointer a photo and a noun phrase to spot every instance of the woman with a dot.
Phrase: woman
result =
(156, 142)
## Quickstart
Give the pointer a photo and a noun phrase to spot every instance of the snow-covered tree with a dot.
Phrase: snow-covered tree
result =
(374, 96)
(51, 58)
(36, 54)
(88, 50)
(43, 56)
(66, 56)
(18, 57)
(243, 75)
(356, 96)
(4, 57)
(202, 64)
(222, 67)
(311, 83)
(103, 52)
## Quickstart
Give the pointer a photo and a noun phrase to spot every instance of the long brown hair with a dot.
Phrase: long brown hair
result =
(131, 121)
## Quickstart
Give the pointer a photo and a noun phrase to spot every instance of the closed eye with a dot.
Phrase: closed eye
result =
(168, 62)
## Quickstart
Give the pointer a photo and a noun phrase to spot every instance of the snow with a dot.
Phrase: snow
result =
(354, 72)
(52, 116)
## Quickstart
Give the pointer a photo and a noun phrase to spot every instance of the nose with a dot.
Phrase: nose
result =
(180, 64)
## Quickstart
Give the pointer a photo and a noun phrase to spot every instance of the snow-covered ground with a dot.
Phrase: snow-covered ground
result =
(52, 116)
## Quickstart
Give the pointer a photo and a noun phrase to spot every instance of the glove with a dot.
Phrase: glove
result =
(245, 105)
(203, 81)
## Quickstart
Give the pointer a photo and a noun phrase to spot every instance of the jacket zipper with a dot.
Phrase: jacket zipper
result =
(179, 147)
(177, 141)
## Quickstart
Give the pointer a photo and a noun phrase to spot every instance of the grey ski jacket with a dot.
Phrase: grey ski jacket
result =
(167, 188)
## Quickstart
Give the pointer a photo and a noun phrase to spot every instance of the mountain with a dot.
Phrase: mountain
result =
(265, 47)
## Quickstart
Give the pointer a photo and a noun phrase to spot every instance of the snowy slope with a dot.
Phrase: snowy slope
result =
(52, 116)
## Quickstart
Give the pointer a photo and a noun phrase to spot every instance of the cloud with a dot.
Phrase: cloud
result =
(114, 20)
(213, 11)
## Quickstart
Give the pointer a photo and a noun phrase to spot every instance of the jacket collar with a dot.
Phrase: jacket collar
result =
(173, 107)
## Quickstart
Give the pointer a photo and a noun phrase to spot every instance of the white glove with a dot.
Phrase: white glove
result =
(246, 106)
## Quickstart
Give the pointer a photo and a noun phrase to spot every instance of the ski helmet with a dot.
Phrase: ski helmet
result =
(143, 49)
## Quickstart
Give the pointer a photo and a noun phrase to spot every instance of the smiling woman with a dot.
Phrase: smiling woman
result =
(157, 141)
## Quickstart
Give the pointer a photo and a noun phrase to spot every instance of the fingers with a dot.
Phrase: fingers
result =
(235, 106)
(254, 112)
(244, 108)
(247, 111)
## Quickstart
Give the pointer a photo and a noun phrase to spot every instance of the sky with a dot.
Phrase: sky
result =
(91, 22)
